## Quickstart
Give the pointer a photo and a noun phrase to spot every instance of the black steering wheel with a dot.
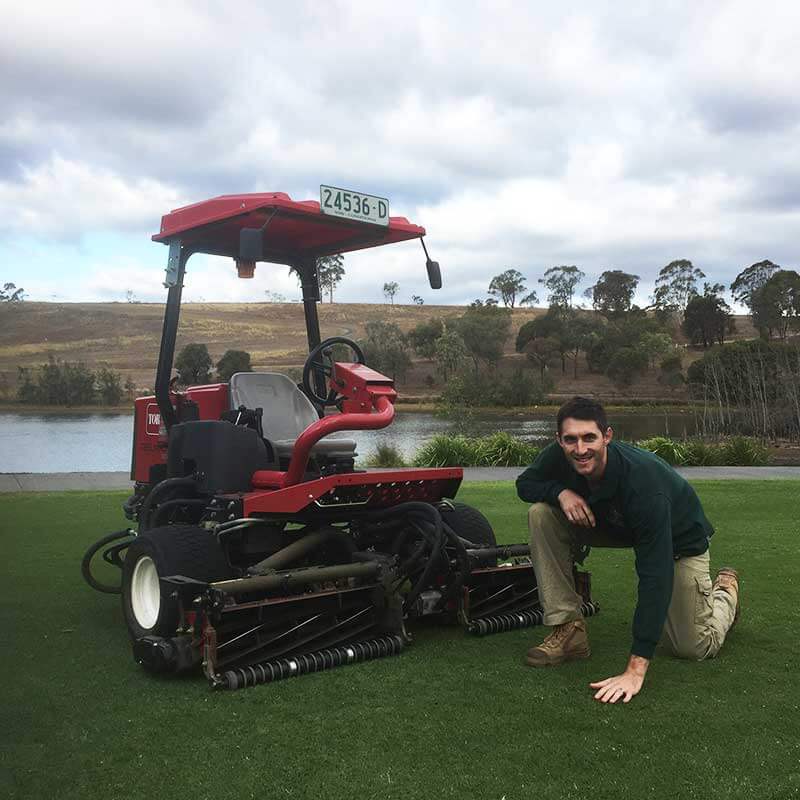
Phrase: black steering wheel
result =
(320, 359)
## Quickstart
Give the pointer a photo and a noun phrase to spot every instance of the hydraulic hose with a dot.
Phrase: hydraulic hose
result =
(176, 503)
(157, 491)
(424, 517)
(86, 564)
(463, 561)
(434, 518)
(419, 550)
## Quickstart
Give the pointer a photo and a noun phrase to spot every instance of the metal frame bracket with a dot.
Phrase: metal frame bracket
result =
(173, 265)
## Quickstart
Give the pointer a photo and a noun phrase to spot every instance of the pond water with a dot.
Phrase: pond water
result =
(102, 443)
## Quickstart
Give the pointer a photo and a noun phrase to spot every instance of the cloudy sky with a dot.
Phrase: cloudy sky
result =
(518, 134)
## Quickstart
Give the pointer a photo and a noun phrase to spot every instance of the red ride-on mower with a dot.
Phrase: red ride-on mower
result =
(261, 551)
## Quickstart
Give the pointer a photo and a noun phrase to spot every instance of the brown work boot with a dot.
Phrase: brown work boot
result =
(567, 642)
(728, 580)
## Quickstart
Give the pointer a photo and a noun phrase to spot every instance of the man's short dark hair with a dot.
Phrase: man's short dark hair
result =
(583, 408)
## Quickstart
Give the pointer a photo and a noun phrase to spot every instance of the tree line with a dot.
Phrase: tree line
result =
(770, 293)
(62, 383)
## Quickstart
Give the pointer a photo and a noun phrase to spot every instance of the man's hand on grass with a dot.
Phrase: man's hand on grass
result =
(576, 509)
(622, 687)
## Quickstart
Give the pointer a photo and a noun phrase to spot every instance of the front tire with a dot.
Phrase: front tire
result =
(172, 550)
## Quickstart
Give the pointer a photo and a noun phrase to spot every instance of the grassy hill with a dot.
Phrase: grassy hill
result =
(125, 336)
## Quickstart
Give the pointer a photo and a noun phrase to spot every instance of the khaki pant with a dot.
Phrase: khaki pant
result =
(698, 618)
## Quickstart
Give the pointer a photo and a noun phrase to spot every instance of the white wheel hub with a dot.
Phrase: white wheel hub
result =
(145, 593)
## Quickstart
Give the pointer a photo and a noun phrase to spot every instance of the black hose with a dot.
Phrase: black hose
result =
(157, 490)
(434, 561)
(430, 515)
(177, 502)
(409, 527)
(463, 561)
(86, 564)
(416, 555)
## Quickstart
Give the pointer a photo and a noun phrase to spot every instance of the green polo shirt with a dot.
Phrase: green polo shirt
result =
(641, 500)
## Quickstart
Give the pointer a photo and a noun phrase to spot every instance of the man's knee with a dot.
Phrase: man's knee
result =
(539, 515)
(694, 648)
(547, 527)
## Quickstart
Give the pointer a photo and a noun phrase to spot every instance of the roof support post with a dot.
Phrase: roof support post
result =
(309, 281)
(176, 268)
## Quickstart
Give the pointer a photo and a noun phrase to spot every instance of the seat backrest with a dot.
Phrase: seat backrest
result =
(287, 411)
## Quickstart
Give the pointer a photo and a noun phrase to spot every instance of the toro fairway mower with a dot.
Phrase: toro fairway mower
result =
(260, 551)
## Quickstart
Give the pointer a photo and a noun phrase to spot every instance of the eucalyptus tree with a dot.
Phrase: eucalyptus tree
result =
(676, 284)
(507, 285)
(707, 317)
(612, 295)
(390, 289)
(561, 283)
(776, 304)
(750, 280)
(330, 271)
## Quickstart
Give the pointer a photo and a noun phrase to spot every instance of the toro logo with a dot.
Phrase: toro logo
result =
(152, 419)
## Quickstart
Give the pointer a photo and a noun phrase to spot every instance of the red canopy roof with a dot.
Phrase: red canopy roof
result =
(294, 228)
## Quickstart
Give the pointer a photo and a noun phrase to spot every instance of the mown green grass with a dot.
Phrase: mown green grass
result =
(451, 717)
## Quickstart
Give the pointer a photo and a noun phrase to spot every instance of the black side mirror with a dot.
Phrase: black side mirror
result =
(251, 244)
(434, 274)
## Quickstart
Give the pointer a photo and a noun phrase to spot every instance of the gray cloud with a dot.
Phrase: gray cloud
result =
(612, 135)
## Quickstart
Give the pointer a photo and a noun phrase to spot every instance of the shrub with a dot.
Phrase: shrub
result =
(423, 337)
(233, 361)
(386, 349)
(385, 455)
(521, 388)
(671, 451)
(738, 451)
(27, 391)
(473, 390)
(109, 386)
(698, 453)
(504, 450)
(498, 450)
(626, 364)
(193, 364)
(58, 383)
(446, 451)
(743, 451)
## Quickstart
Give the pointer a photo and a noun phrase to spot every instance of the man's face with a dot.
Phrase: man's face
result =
(585, 446)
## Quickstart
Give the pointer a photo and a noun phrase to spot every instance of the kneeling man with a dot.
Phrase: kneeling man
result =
(589, 490)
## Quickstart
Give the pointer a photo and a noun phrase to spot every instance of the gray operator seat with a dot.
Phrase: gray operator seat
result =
(287, 413)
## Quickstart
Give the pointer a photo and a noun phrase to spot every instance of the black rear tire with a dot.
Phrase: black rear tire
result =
(469, 524)
(172, 550)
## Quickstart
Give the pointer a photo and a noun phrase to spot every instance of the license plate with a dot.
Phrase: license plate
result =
(353, 205)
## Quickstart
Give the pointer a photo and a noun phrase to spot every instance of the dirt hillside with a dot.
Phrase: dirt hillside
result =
(125, 336)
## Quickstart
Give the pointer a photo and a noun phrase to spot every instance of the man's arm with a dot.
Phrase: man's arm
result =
(654, 565)
(542, 481)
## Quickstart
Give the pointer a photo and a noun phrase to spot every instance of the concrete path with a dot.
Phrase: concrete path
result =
(99, 481)
(63, 481)
(690, 473)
